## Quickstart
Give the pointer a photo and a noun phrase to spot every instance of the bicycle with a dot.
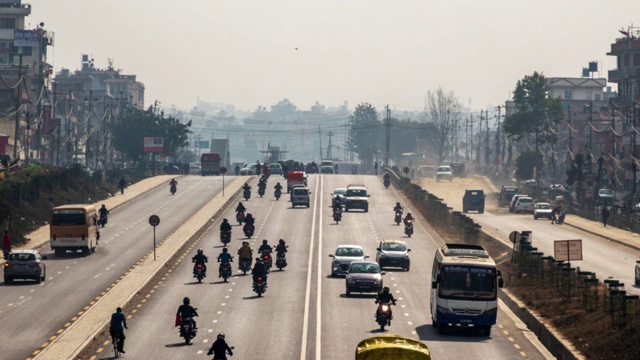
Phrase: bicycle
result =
(115, 339)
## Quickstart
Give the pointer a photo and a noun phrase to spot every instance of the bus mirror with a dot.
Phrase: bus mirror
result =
(434, 285)
(500, 282)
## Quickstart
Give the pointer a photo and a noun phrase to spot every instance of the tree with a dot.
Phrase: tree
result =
(535, 112)
(134, 125)
(444, 111)
(526, 162)
(365, 132)
(576, 174)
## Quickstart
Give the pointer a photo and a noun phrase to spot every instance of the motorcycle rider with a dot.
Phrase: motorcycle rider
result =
(115, 328)
(173, 182)
(200, 259)
(386, 177)
(246, 187)
(278, 187)
(224, 258)
(225, 226)
(259, 270)
(187, 311)
(249, 220)
(245, 252)
(265, 247)
(103, 211)
(385, 297)
(281, 249)
(397, 207)
(262, 182)
(220, 348)
(407, 218)
(240, 207)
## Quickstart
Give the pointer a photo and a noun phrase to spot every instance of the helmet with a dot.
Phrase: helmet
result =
(264, 242)
(397, 204)
(239, 202)
(225, 250)
(281, 241)
(200, 251)
(385, 289)
(258, 259)
(103, 205)
(225, 220)
(221, 336)
(245, 243)
(409, 215)
(119, 310)
(186, 301)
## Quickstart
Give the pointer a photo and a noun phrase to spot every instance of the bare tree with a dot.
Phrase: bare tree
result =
(444, 111)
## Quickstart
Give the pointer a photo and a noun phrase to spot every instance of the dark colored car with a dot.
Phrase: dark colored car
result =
(364, 277)
(473, 200)
(506, 194)
(25, 264)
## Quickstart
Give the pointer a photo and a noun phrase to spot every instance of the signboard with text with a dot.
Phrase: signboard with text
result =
(153, 145)
(28, 38)
(47, 123)
(204, 144)
(567, 250)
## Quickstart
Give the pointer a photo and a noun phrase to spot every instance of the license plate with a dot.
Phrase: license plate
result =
(466, 321)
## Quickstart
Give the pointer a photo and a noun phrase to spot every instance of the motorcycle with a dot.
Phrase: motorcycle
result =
(386, 183)
(281, 261)
(337, 215)
(173, 189)
(225, 271)
(383, 315)
(408, 228)
(187, 330)
(261, 191)
(398, 217)
(240, 217)
(244, 265)
(247, 194)
(248, 230)
(200, 274)
(561, 215)
(225, 237)
(260, 286)
(278, 193)
(266, 259)
(103, 220)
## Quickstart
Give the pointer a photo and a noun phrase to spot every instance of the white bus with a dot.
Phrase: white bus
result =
(464, 288)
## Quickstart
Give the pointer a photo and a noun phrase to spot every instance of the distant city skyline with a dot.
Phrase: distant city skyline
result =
(251, 54)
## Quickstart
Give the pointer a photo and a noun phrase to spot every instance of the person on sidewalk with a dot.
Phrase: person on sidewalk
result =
(6, 244)
(122, 184)
(605, 215)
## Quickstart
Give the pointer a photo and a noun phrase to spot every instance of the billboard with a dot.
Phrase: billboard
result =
(47, 124)
(28, 38)
(204, 144)
(153, 144)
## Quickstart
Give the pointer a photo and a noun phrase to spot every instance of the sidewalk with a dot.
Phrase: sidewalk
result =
(40, 237)
(620, 236)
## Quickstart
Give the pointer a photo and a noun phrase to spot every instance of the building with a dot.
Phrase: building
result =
(221, 146)
(626, 49)
(23, 55)
(566, 88)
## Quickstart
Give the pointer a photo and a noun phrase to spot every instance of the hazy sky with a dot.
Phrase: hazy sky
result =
(251, 53)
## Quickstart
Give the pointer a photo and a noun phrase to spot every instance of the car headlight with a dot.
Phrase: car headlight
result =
(382, 255)
(335, 262)
(377, 282)
(350, 281)
(443, 310)
(406, 256)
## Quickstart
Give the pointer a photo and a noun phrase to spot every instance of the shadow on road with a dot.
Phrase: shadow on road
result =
(469, 335)
(180, 344)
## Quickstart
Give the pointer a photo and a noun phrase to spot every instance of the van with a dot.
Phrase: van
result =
(300, 196)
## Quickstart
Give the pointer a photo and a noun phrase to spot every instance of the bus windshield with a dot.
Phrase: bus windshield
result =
(68, 218)
(467, 283)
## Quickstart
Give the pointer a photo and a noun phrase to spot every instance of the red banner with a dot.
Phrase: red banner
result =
(47, 124)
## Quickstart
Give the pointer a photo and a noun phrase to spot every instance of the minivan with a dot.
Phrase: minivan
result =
(300, 196)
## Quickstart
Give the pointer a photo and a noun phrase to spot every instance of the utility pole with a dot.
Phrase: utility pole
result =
(590, 131)
(346, 126)
(487, 148)
(471, 137)
(633, 150)
(388, 138)
(329, 155)
(320, 135)
(18, 98)
(58, 128)
(466, 139)
(613, 128)
(570, 130)
(87, 142)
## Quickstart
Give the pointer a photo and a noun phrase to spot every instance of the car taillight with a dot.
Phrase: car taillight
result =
(6, 265)
(35, 264)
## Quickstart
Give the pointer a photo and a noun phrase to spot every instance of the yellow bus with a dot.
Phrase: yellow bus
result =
(73, 228)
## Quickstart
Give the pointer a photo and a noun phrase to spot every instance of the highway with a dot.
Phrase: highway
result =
(32, 314)
(305, 313)
(605, 258)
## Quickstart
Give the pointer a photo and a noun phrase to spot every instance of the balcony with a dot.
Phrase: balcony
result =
(7, 7)
(623, 74)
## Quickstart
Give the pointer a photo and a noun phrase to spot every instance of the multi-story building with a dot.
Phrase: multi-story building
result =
(23, 55)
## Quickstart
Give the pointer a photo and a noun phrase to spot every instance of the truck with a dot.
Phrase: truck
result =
(209, 164)
(506, 194)
(294, 178)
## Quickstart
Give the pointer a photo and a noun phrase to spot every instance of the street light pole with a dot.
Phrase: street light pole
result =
(18, 98)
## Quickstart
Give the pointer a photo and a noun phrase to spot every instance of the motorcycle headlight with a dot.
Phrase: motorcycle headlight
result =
(385, 308)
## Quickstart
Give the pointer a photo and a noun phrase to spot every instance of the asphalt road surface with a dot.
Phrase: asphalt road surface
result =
(607, 259)
(31, 314)
(305, 313)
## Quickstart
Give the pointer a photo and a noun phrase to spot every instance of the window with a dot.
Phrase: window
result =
(7, 23)
(589, 95)
(636, 59)
(26, 50)
(568, 94)
(597, 97)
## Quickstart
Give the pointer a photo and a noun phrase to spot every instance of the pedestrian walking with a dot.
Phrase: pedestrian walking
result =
(375, 166)
(122, 183)
(605, 215)
(6, 244)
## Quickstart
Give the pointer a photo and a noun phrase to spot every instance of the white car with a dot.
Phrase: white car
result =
(524, 204)
(249, 169)
(542, 210)
(343, 257)
(444, 172)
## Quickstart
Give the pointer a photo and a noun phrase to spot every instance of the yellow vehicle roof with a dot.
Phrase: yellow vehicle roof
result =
(392, 347)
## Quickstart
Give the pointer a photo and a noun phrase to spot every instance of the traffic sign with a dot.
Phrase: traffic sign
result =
(515, 236)
(223, 170)
(154, 220)
(405, 170)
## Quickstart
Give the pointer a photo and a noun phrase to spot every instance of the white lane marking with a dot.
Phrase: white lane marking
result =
(319, 290)
(307, 296)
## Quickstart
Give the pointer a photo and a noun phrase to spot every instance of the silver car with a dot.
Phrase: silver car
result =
(25, 264)
(338, 193)
(344, 255)
(393, 253)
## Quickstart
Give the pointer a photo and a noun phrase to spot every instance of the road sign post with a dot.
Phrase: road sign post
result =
(567, 250)
(154, 220)
(223, 170)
